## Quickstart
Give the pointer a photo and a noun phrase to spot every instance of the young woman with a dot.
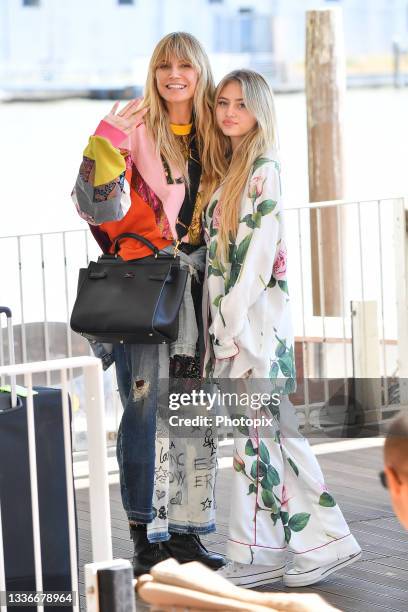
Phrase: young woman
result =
(141, 173)
(279, 499)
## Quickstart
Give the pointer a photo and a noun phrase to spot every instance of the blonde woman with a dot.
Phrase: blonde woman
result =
(142, 172)
(279, 500)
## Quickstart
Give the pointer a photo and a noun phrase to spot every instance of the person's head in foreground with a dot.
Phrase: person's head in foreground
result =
(396, 466)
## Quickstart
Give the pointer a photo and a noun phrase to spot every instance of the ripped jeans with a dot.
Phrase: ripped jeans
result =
(142, 372)
(139, 368)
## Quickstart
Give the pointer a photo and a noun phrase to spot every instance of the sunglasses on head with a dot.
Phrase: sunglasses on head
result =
(383, 479)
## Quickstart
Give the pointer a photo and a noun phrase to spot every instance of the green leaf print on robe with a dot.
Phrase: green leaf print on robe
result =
(264, 477)
(293, 466)
(238, 257)
(237, 253)
(260, 162)
(326, 500)
(264, 453)
(274, 371)
(250, 450)
(212, 250)
(211, 208)
(253, 220)
(285, 363)
(214, 271)
(215, 267)
(266, 207)
(284, 517)
(268, 499)
(297, 522)
(284, 286)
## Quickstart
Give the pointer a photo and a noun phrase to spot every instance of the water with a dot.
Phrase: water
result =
(42, 145)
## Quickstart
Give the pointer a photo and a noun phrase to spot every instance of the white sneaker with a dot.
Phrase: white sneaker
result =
(247, 575)
(294, 578)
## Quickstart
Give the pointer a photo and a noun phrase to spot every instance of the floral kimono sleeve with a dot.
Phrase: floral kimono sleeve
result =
(251, 256)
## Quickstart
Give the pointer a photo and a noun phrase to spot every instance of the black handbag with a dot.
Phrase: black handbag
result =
(134, 301)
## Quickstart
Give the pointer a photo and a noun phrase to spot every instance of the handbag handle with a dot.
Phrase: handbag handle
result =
(145, 241)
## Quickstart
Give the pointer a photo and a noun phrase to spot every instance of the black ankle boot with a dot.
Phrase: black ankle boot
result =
(145, 554)
(188, 547)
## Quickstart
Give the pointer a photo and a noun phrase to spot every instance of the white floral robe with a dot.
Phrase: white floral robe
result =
(279, 500)
(248, 293)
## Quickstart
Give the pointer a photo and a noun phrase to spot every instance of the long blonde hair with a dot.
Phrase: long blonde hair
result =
(234, 167)
(186, 47)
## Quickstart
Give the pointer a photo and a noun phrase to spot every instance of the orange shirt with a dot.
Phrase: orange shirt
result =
(139, 219)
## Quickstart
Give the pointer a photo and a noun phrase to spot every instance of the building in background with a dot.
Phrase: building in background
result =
(78, 45)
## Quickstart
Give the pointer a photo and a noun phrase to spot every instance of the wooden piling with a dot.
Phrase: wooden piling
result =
(325, 92)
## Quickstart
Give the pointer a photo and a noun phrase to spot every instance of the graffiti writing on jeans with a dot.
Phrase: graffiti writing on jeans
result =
(164, 456)
(161, 475)
(177, 460)
(204, 480)
(190, 467)
(209, 441)
(206, 504)
(204, 463)
(178, 477)
(162, 513)
(177, 499)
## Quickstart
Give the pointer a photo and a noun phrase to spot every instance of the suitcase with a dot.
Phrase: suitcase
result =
(15, 491)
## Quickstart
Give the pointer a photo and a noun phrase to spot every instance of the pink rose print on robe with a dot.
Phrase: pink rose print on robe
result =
(279, 265)
(217, 216)
(323, 487)
(256, 187)
(238, 463)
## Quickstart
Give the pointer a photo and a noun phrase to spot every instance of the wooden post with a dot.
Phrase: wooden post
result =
(325, 91)
(366, 359)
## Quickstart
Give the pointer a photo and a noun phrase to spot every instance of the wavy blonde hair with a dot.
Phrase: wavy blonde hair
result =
(182, 46)
(233, 168)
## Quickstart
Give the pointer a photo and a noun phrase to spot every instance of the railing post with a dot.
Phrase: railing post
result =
(98, 467)
(401, 283)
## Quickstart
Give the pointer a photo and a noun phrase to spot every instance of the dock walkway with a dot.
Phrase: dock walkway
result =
(378, 582)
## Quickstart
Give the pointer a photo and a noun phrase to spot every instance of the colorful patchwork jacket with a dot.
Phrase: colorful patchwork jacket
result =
(123, 186)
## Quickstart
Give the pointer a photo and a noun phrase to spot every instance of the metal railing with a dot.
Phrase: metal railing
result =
(368, 338)
(39, 284)
(98, 479)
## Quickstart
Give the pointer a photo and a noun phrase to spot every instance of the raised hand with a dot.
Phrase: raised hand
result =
(128, 118)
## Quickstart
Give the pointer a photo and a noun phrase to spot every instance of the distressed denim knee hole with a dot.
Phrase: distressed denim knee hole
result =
(140, 389)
